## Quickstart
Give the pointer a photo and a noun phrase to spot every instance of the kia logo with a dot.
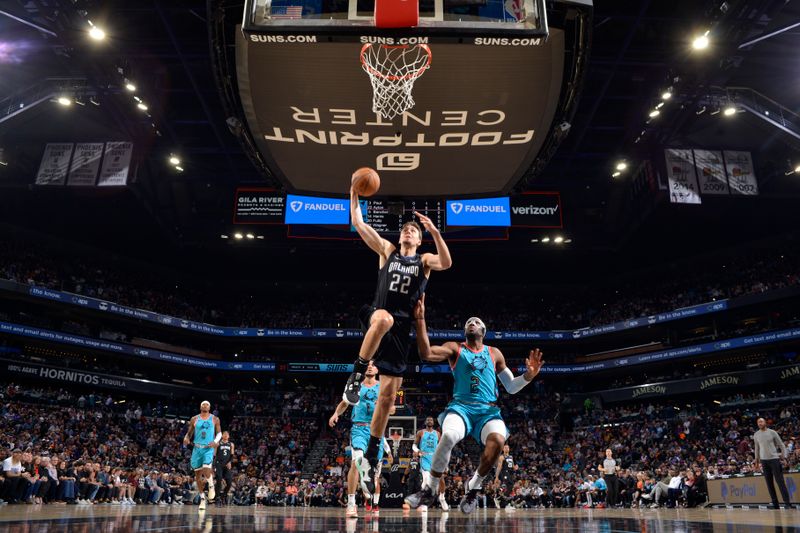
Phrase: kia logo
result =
(456, 207)
(296, 205)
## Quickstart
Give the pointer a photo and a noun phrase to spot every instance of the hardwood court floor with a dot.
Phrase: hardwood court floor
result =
(123, 519)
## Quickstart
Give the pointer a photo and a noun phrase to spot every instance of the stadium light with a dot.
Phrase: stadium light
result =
(131, 87)
(545, 239)
(567, 241)
(238, 236)
(142, 106)
(701, 42)
(558, 240)
(63, 100)
(729, 111)
(654, 113)
(251, 236)
(174, 160)
(223, 236)
(797, 169)
(622, 165)
(660, 105)
(179, 168)
(616, 174)
(666, 95)
(96, 33)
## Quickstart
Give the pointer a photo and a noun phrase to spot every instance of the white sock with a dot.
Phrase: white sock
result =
(433, 484)
(351, 499)
(441, 497)
(476, 482)
(376, 498)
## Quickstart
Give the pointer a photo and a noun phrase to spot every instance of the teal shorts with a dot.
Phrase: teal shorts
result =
(474, 416)
(202, 457)
(359, 439)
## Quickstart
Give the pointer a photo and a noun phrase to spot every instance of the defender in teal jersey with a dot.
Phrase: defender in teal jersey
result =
(359, 439)
(204, 434)
(425, 444)
(473, 410)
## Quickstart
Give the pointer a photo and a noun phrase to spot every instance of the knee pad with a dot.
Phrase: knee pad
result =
(357, 455)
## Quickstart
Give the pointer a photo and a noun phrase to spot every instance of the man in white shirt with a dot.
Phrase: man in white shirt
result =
(12, 471)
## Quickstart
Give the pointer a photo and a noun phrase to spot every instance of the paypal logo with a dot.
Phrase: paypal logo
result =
(316, 210)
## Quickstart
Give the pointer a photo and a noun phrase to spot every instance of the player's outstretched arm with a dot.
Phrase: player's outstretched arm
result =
(377, 244)
(431, 354)
(441, 260)
(513, 384)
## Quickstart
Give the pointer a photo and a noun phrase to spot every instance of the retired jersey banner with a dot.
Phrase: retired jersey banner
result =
(741, 176)
(683, 188)
(711, 172)
(55, 164)
(85, 164)
(116, 164)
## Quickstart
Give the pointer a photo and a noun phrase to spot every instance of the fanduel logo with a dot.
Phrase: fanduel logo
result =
(316, 206)
(483, 208)
(456, 207)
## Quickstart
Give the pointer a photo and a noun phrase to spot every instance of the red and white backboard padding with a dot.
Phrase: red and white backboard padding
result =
(448, 107)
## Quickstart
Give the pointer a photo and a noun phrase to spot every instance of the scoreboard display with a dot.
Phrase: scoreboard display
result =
(388, 216)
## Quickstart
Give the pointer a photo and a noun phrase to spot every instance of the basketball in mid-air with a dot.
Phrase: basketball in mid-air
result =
(366, 181)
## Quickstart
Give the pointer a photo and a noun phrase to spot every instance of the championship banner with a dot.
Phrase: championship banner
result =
(116, 164)
(683, 188)
(55, 164)
(85, 164)
(741, 176)
(711, 172)
(750, 490)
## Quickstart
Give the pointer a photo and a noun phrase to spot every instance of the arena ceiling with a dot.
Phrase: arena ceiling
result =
(639, 49)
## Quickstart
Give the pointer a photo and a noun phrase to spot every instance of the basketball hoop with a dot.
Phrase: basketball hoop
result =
(392, 71)
(396, 438)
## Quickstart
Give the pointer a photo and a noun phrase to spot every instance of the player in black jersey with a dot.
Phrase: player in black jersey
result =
(504, 473)
(222, 466)
(412, 478)
(402, 278)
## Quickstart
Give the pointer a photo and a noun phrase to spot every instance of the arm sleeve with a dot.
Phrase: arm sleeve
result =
(512, 384)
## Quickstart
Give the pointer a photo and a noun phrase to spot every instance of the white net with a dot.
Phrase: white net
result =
(392, 71)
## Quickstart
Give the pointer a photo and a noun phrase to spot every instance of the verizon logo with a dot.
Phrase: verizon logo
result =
(534, 210)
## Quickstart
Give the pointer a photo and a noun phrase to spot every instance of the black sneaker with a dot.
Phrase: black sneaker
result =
(366, 474)
(469, 502)
(423, 497)
(353, 388)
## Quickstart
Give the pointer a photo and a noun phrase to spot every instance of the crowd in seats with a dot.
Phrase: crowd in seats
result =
(90, 448)
(60, 446)
(517, 307)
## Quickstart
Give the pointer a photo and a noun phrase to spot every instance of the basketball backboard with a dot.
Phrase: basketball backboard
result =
(484, 103)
